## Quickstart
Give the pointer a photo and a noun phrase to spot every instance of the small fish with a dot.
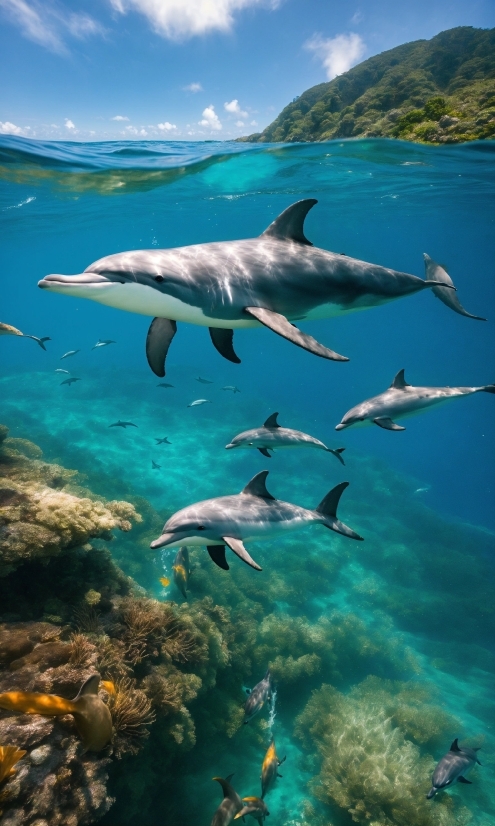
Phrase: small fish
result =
(231, 387)
(164, 441)
(69, 381)
(8, 330)
(254, 806)
(164, 384)
(155, 466)
(165, 581)
(109, 687)
(198, 402)
(103, 343)
(122, 424)
(60, 370)
(91, 715)
(69, 353)
(9, 756)
(204, 381)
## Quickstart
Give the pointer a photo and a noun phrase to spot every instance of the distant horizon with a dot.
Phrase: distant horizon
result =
(108, 70)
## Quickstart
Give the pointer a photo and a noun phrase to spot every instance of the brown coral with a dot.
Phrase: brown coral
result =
(131, 716)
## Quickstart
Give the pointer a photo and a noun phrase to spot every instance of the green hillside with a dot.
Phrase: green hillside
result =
(434, 91)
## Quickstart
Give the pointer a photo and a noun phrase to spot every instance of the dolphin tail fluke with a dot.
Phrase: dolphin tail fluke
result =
(223, 341)
(283, 327)
(328, 510)
(160, 335)
(489, 388)
(337, 453)
(435, 272)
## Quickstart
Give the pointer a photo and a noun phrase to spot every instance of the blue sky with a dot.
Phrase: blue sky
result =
(190, 69)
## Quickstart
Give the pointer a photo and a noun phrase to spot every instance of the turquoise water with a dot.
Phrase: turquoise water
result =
(412, 602)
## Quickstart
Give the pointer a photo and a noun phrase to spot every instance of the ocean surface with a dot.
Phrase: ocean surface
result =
(422, 581)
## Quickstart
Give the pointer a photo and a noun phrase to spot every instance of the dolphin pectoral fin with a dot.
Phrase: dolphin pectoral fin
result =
(160, 335)
(222, 340)
(282, 326)
(239, 549)
(264, 451)
(387, 423)
(217, 554)
(463, 780)
(435, 272)
(337, 453)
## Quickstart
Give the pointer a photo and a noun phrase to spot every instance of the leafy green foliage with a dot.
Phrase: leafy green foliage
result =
(404, 92)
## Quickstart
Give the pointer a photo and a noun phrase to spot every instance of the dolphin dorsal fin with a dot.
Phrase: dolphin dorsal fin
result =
(90, 686)
(399, 382)
(272, 421)
(455, 745)
(289, 226)
(227, 789)
(257, 486)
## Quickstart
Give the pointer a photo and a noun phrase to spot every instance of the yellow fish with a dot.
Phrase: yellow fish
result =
(269, 769)
(9, 756)
(165, 581)
(109, 687)
(182, 570)
(91, 715)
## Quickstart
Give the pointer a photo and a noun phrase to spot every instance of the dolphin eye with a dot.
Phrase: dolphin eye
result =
(201, 528)
(159, 278)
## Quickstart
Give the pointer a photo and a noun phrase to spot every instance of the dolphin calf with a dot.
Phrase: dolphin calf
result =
(164, 441)
(70, 381)
(164, 384)
(273, 437)
(252, 514)
(453, 768)
(61, 370)
(269, 769)
(204, 381)
(230, 805)
(271, 281)
(231, 387)
(254, 806)
(401, 400)
(182, 570)
(155, 466)
(123, 424)
(69, 353)
(257, 697)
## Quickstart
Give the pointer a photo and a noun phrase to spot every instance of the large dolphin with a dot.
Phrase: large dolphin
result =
(257, 696)
(272, 280)
(273, 437)
(453, 768)
(401, 400)
(252, 514)
(230, 805)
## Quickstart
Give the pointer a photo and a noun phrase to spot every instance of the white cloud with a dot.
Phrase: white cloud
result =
(120, 117)
(338, 53)
(234, 108)
(254, 123)
(131, 130)
(8, 128)
(179, 19)
(239, 123)
(167, 127)
(46, 23)
(210, 119)
(357, 17)
(69, 124)
(193, 87)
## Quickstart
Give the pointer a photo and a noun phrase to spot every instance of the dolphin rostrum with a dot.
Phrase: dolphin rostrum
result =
(272, 437)
(453, 768)
(401, 400)
(252, 514)
(273, 280)
(257, 697)
(269, 769)
(230, 805)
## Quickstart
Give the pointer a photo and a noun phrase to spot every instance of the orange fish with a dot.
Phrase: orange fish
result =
(182, 570)
(109, 687)
(9, 756)
(269, 769)
(165, 581)
(91, 716)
